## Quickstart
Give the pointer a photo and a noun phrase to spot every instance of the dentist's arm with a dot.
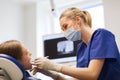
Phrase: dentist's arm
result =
(54, 75)
(61, 78)
(89, 73)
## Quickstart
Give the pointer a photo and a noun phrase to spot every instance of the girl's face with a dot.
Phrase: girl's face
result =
(26, 58)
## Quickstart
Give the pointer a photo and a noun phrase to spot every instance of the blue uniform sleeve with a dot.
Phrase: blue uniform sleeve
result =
(103, 45)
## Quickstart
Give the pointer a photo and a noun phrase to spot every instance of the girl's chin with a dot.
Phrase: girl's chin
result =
(29, 68)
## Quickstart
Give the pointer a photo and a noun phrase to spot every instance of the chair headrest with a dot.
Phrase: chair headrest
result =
(13, 68)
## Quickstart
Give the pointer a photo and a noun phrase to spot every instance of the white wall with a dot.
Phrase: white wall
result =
(112, 17)
(44, 24)
(11, 16)
(18, 21)
(29, 22)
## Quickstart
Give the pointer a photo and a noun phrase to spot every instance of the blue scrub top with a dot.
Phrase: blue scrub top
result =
(101, 45)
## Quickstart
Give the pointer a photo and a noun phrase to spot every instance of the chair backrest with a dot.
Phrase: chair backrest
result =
(12, 67)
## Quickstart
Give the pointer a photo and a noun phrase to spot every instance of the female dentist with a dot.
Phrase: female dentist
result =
(97, 54)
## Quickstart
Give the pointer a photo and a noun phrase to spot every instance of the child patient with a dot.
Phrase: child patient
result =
(18, 51)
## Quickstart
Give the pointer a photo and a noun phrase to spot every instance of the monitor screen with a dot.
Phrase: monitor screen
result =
(57, 47)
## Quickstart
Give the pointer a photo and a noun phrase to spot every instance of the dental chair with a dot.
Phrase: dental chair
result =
(11, 69)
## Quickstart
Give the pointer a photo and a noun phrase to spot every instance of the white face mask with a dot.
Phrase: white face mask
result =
(72, 34)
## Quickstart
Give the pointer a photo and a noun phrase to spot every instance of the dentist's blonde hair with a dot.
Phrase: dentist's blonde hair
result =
(71, 13)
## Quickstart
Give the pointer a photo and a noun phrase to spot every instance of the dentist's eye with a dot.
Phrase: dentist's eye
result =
(65, 26)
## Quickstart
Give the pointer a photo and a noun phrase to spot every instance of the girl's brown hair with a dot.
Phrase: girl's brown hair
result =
(12, 48)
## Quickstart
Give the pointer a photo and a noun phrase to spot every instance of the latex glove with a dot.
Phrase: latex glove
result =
(51, 74)
(46, 64)
(34, 70)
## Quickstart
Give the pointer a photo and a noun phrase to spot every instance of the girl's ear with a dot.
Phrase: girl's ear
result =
(78, 19)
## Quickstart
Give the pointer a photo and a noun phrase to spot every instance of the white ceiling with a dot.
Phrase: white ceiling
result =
(25, 1)
(56, 2)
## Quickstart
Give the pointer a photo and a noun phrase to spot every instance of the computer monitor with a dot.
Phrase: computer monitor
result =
(58, 48)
